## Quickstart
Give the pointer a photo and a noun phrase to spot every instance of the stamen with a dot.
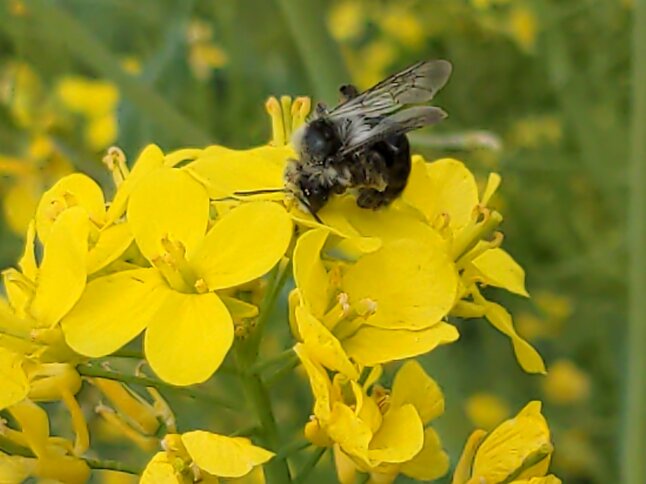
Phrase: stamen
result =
(277, 124)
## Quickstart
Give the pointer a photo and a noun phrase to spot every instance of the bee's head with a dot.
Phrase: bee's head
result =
(314, 195)
(319, 141)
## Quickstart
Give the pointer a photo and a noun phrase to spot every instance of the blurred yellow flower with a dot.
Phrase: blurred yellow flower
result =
(347, 20)
(486, 410)
(518, 450)
(96, 101)
(523, 26)
(535, 131)
(204, 457)
(565, 383)
(29, 174)
(204, 54)
(404, 25)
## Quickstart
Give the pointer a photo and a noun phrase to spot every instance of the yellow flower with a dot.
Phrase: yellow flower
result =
(388, 305)
(189, 328)
(446, 193)
(518, 450)
(486, 410)
(204, 457)
(381, 432)
(565, 383)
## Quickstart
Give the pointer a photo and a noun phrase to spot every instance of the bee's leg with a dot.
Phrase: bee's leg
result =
(348, 91)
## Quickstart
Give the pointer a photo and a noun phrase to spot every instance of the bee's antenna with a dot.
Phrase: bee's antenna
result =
(261, 192)
(309, 209)
(281, 190)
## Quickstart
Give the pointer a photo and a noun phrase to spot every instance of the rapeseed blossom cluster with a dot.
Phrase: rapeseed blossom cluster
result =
(186, 257)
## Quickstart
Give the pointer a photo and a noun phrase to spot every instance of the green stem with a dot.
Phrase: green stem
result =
(292, 448)
(255, 390)
(319, 53)
(283, 356)
(634, 432)
(112, 465)
(309, 465)
(145, 381)
(276, 469)
(60, 26)
(282, 371)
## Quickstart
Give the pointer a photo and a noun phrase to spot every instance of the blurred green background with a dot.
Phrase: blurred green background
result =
(540, 93)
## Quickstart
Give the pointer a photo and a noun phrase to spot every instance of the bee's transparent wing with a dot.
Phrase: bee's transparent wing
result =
(401, 122)
(384, 110)
(414, 85)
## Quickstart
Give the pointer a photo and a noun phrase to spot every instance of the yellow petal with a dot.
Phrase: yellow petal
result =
(371, 346)
(182, 155)
(113, 241)
(15, 384)
(397, 221)
(27, 262)
(412, 385)
(445, 186)
(15, 469)
(19, 289)
(188, 337)
(322, 345)
(493, 182)
(530, 360)
(243, 245)
(239, 309)
(413, 285)
(431, 462)
(351, 433)
(463, 468)
(512, 444)
(499, 269)
(224, 456)
(551, 479)
(34, 423)
(62, 273)
(319, 383)
(73, 190)
(400, 437)
(168, 203)
(229, 171)
(160, 470)
(117, 307)
(346, 470)
(62, 468)
(149, 160)
(310, 275)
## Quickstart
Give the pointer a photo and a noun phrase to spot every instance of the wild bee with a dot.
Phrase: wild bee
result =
(361, 143)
